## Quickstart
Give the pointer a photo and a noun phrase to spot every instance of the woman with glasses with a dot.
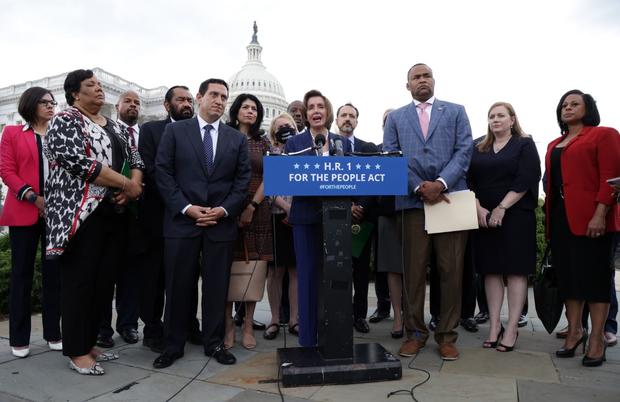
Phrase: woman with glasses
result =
(23, 168)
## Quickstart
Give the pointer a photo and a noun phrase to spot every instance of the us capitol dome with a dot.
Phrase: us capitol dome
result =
(254, 78)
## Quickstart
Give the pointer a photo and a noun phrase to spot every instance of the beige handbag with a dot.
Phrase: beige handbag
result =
(247, 279)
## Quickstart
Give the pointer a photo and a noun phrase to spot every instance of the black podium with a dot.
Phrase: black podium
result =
(336, 359)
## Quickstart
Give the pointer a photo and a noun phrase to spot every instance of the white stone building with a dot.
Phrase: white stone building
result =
(254, 78)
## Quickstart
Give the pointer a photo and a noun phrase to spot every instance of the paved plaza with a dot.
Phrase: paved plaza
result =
(531, 373)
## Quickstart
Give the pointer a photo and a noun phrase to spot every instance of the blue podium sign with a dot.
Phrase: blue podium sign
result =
(334, 176)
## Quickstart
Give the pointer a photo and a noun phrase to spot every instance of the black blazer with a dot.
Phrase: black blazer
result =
(367, 202)
(182, 178)
(151, 213)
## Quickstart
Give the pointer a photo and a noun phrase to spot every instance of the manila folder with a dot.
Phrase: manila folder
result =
(459, 214)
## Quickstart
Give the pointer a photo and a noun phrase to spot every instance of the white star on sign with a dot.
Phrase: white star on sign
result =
(316, 166)
(358, 166)
(367, 166)
(306, 166)
(377, 166)
(296, 166)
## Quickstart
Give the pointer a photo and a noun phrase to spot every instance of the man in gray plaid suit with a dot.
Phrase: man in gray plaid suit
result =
(435, 137)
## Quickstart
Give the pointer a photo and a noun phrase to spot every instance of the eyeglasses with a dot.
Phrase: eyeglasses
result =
(48, 103)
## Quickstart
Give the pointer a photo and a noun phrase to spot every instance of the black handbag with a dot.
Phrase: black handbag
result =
(549, 304)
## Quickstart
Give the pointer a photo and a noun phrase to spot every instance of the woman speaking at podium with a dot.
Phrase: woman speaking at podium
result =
(305, 215)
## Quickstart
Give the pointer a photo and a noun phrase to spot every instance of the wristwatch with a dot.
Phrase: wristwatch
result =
(254, 204)
(32, 198)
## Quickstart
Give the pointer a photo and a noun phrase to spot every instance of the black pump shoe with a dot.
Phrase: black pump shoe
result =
(570, 352)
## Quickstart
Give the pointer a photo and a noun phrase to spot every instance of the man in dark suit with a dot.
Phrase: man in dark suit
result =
(435, 137)
(179, 104)
(202, 172)
(346, 120)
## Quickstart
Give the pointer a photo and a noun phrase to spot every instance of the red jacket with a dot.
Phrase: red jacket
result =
(591, 158)
(19, 169)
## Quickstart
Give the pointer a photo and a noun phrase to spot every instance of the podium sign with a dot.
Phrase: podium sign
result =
(334, 176)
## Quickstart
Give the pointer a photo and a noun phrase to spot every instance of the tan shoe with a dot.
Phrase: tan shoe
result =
(410, 347)
(448, 351)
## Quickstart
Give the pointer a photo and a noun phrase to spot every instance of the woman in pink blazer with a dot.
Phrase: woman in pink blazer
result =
(23, 167)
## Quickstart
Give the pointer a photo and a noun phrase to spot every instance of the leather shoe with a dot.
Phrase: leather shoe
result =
(105, 341)
(165, 360)
(411, 347)
(481, 317)
(448, 351)
(397, 334)
(195, 338)
(469, 324)
(222, 356)
(361, 325)
(155, 344)
(129, 335)
(378, 316)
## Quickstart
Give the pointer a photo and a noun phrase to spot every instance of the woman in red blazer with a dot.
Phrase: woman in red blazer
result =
(23, 168)
(580, 220)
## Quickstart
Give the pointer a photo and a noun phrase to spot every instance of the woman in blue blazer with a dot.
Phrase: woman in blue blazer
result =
(305, 215)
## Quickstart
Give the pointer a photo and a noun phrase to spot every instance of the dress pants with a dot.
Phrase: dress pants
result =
(382, 291)
(24, 241)
(307, 240)
(87, 275)
(450, 253)
(180, 256)
(361, 277)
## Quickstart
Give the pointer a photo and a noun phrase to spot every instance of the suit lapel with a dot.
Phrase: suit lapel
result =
(414, 121)
(31, 143)
(195, 139)
(436, 114)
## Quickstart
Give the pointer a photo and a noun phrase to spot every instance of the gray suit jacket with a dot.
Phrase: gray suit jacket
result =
(182, 178)
(445, 153)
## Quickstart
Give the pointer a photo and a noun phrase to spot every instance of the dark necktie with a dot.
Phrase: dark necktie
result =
(208, 145)
(132, 138)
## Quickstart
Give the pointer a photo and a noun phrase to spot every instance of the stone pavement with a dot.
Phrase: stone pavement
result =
(531, 373)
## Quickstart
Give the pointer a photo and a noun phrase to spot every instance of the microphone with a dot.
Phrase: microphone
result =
(319, 140)
(338, 146)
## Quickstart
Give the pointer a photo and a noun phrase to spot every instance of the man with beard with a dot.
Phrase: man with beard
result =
(346, 120)
(179, 104)
(298, 111)
(127, 278)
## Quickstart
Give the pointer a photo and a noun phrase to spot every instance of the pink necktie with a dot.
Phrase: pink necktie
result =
(424, 121)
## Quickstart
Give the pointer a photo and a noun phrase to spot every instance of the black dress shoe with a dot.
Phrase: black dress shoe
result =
(469, 324)
(378, 316)
(398, 334)
(155, 344)
(105, 341)
(432, 325)
(195, 338)
(361, 325)
(222, 356)
(481, 317)
(165, 360)
(129, 335)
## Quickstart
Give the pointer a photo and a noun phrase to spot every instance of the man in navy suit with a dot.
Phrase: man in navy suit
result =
(435, 137)
(179, 103)
(202, 172)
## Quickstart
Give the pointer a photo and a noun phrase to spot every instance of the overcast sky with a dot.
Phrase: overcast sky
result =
(524, 52)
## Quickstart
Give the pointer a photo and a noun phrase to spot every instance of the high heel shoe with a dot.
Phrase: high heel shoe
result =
(488, 344)
(570, 352)
(508, 348)
(594, 361)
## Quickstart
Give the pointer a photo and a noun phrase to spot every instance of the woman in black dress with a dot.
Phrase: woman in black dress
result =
(581, 215)
(504, 174)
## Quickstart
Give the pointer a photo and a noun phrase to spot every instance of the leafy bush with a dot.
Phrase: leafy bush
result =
(5, 277)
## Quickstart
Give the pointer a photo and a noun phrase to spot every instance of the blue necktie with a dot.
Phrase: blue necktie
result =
(208, 145)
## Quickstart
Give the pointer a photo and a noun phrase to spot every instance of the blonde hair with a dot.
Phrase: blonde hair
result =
(272, 126)
(515, 130)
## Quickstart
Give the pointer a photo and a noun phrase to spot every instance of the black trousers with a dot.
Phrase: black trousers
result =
(468, 296)
(128, 282)
(382, 291)
(361, 276)
(24, 241)
(87, 275)
(180, 256)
